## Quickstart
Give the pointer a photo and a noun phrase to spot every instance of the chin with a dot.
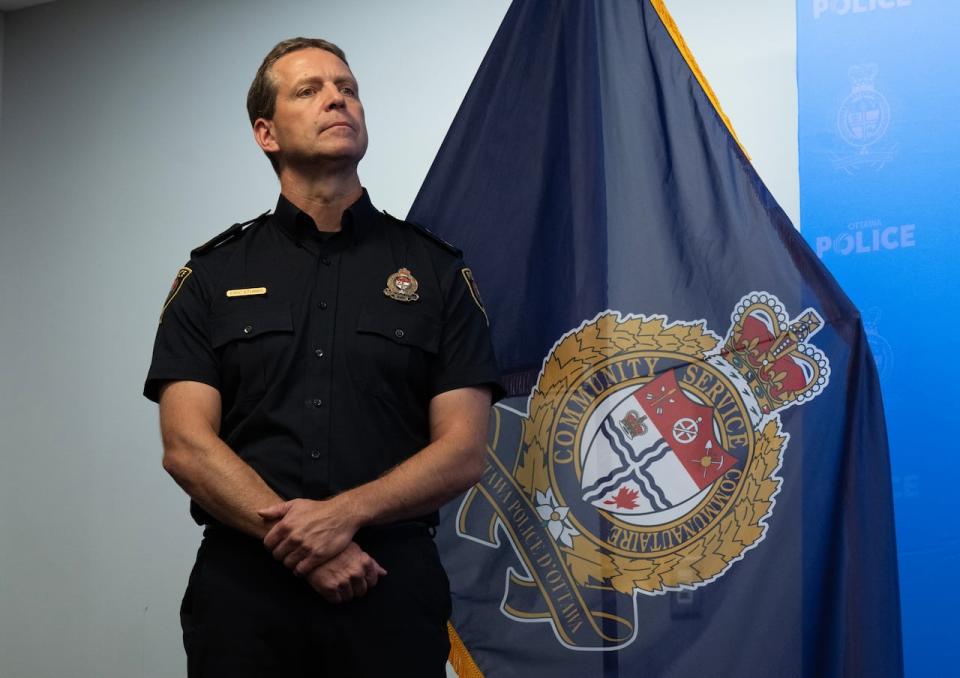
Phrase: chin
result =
(327, 158)
(351, 151)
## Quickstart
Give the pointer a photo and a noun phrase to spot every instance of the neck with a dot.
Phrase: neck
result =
(324, 198)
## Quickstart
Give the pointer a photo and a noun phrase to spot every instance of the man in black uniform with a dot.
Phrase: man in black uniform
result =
(324, 376)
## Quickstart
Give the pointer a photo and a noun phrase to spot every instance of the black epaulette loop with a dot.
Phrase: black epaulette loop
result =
(235, 231)
(423, 230)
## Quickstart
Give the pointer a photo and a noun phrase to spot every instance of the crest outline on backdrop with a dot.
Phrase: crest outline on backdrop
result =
(863, 119)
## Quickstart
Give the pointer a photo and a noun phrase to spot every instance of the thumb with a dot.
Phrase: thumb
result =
(275, 512)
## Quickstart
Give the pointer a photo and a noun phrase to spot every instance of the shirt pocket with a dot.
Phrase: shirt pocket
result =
(395, 350)
(253, 346)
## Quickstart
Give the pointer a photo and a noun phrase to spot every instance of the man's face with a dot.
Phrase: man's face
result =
(318, 115)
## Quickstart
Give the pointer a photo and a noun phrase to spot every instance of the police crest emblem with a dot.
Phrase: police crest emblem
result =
(647, 462)
(402, 286)
(862, 120)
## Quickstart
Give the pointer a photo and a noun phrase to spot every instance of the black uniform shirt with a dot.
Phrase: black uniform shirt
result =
(324, 379)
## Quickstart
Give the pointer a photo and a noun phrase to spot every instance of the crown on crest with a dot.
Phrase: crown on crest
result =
(772, 354)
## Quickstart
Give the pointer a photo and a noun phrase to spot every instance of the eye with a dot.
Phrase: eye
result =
(306, 92)
(348, 90)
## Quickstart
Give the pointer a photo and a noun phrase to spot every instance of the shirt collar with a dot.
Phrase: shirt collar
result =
(357, 219)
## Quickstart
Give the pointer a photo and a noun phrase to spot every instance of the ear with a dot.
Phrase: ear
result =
(264, 136)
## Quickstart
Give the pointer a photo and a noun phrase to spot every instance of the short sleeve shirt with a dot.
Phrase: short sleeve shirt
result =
(326, 351)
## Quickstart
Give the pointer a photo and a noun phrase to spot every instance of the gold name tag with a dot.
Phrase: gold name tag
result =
(247, 292)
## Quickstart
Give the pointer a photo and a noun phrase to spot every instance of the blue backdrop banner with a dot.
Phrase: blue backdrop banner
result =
(691, 477)
(880, 185)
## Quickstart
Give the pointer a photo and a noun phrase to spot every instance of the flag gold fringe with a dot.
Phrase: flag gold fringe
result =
(678, 40)
(460, 658)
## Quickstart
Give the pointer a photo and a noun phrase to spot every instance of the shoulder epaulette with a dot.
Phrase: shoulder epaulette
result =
(232, 233)
(426, 232)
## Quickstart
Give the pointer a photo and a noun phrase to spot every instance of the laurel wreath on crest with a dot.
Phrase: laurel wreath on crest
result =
(713, 551)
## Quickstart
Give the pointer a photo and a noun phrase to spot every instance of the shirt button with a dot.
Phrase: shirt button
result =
(248, 329)
(315, 454)
(325, 261)
(317, 402)
(322, 305)
(398, 333)
(318, 352)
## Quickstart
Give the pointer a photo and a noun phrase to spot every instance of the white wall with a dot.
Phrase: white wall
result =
(125, 143)
(748, 53)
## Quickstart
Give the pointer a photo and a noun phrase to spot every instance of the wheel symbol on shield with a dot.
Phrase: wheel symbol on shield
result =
(685, 430)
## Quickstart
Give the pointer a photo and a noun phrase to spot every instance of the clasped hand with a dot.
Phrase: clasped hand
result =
(314, 539)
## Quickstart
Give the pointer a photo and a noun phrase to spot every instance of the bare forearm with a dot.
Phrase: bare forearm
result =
(222, 483)
(437, 473)
(203, 465)
(420, 485)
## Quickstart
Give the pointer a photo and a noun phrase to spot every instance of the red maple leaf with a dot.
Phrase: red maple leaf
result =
(625, 499)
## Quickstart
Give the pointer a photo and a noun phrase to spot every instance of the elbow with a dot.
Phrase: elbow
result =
(174, 462)
(178, 456)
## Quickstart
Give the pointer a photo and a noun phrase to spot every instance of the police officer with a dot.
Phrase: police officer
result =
(324, 375)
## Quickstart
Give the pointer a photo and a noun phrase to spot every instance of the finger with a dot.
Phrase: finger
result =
(308, 563)
(345, 590)
(370, 577)
(276, 511)
(325, 588)
(350, 549)
(379, 569)
(277, 534)
(286, 548)
(358, 584)
(293, 560)
(369, 571)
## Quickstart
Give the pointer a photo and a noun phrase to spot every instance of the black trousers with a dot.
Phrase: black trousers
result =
(244, 615)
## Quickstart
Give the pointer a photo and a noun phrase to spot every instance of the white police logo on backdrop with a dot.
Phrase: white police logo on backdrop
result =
(867, 236)
(846, 7)
(862, 120)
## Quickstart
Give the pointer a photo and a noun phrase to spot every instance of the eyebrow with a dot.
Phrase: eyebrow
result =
(340, 80)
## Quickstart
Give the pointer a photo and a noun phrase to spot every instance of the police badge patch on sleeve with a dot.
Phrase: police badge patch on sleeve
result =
(178, 281)
(474, 291)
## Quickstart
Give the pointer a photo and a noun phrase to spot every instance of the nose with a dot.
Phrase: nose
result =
(335, 98)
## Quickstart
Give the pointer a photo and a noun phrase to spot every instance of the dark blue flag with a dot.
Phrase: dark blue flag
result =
(692, 477)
